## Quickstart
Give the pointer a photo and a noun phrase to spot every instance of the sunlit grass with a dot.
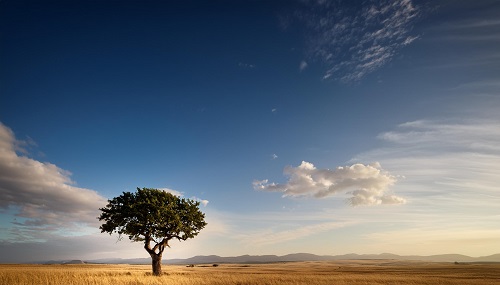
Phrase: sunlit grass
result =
(314, 273)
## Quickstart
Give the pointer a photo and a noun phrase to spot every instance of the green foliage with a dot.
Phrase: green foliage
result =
(152, 215)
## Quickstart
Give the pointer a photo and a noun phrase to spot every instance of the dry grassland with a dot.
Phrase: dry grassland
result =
(311, 273)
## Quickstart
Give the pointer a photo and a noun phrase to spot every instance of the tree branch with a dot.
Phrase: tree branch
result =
(147, 245)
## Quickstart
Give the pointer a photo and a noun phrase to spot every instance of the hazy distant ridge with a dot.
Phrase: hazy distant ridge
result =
(291, 257)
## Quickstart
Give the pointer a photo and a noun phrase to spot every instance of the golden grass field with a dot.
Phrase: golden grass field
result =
(312, 273)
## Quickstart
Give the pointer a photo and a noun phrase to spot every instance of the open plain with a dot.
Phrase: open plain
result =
(312, 273)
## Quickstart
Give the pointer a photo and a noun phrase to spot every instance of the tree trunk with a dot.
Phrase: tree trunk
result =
(155, 257)
(156, 264)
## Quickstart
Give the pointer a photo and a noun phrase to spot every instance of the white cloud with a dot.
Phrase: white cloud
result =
(410, 39)
(42, 194)
(274, 156)
(303, 65)
(367, 184)
(173, 192)
(202, 201)
(181, 194)
(353, 40)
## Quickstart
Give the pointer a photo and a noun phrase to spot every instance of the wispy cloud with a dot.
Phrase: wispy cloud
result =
(303, 65)
(42, 194)
(367, 184)
(352, 40)
(489, 85)
(454, 161)
(469, 42)
(486, 24)
(449, 171)
(246, 65)
(471, 135)
(272, 236)
(476, 23)
(486, 28)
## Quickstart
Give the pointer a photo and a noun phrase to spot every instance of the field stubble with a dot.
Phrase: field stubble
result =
(312, 273)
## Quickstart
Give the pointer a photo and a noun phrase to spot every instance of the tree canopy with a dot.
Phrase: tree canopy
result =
(152, 216)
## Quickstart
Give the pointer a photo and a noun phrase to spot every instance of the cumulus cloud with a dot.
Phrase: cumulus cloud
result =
(367, 184)
(353, 39)
(42, 194)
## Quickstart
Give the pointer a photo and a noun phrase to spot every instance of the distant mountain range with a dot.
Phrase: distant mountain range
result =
(288, 258)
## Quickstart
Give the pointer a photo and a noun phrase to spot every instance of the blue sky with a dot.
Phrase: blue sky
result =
(327, 127)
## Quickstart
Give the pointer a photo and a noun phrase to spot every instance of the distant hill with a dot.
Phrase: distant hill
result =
(204, 259)
(75, 261)
(491, 258)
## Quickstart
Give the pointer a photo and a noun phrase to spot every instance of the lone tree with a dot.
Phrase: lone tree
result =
(154, 217)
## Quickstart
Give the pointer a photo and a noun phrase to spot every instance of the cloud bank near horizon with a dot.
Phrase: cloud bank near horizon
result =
(42, 198)
(41, 194)
(367, 184)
